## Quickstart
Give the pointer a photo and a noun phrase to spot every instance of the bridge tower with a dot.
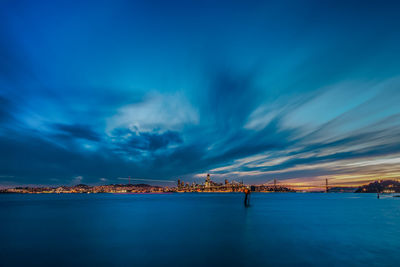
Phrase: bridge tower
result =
(326, 186)
(275, 184)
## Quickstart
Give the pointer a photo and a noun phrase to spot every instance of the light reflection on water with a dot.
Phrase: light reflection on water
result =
(200, 229)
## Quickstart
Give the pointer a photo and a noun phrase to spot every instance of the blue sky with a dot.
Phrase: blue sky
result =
(95, 91)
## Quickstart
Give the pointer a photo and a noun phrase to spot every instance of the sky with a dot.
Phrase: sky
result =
(97, 91)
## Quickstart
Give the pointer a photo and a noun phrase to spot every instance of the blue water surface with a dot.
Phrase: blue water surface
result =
(289, 229)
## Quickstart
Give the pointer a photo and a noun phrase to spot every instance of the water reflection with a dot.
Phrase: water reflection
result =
(200, 229)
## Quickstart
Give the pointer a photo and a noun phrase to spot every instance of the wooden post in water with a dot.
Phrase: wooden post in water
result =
(246, 197)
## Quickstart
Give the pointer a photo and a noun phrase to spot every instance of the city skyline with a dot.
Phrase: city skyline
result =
(208, 186)
(300, 92)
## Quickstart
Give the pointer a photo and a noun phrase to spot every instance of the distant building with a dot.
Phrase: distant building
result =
(208, 181)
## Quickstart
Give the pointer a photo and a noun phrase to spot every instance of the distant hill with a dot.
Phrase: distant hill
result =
(343, 189)
(82, 186)
(382, 186)
(136, 185)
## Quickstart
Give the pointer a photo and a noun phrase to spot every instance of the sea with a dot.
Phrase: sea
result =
(199, 229)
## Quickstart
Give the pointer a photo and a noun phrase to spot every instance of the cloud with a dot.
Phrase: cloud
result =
(251, 98)
(75, 131)
(274, 148)
(145, 141)
(77, 180)
(5, 111)
(156, 111)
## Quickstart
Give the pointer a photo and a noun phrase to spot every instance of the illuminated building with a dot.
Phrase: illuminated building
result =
(208, 181)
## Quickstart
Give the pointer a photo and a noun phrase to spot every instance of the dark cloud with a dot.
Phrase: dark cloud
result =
(75, 131)
(230, 98)
(146, 141)
(5, 110)
(33, 159)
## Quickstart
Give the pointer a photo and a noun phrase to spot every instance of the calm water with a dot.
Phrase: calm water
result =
(200, 230)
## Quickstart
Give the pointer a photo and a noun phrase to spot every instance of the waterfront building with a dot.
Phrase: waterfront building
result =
(208, 181)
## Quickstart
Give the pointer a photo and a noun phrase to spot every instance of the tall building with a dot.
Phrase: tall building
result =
(208, 181)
